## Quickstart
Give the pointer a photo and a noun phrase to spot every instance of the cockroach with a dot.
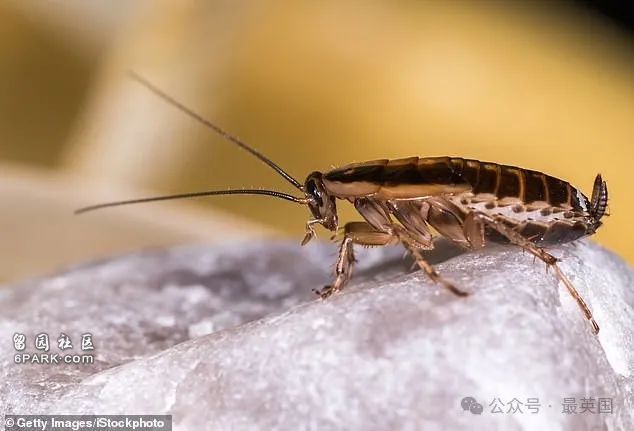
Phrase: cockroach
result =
(466, 201)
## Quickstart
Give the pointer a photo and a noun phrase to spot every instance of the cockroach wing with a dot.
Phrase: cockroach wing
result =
(410, 178)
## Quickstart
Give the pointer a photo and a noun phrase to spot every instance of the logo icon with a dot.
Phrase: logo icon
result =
(19, 341)
(470, 403)
(41, 342)
(86, 342)
(63, 342)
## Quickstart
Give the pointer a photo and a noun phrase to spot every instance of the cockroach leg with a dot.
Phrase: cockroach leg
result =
(413, 234)
(457, 197)
(432, 273)
(447, 219)
(474, 231)
(343, 269)
(310, 230)
(550, 260)
(354, 233)
(414, 248)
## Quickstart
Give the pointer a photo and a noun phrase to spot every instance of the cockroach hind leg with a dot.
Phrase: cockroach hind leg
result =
(547, 258)
(577, 297)
(595, 327)
(453, 289)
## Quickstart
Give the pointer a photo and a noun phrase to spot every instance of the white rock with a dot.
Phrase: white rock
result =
(392, 351)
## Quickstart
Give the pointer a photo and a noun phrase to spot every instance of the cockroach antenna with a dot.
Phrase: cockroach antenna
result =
(227, 136)
(271, 193)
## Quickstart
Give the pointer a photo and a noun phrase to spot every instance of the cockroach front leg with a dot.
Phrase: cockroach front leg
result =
(310, 230)
(474, 231)
(354, 233)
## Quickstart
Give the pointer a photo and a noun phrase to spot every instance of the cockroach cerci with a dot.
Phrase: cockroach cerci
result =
(467, 201)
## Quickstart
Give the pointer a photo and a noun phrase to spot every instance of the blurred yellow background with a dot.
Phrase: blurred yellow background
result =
(313, 85)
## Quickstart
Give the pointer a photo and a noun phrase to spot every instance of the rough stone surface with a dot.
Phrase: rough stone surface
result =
(232, 338)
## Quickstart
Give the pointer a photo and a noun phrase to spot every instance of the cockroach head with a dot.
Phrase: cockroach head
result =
(321, 204)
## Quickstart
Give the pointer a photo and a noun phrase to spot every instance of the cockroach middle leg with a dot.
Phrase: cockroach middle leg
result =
(414, 249)
(475, 221)
(415, 236)
(354, 233)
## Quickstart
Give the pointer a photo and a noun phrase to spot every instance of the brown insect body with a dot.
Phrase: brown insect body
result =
(542, 208)
(467, 201)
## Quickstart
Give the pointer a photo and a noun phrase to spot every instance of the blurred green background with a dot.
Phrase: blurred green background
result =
(546, 86)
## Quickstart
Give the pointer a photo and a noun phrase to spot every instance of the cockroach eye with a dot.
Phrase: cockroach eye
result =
(314, 192)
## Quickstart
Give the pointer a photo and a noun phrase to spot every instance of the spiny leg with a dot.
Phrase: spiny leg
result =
(354, 233)
(413, 234)
(310, 230)
(414, 248)
(343, 269)
(474, 225)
